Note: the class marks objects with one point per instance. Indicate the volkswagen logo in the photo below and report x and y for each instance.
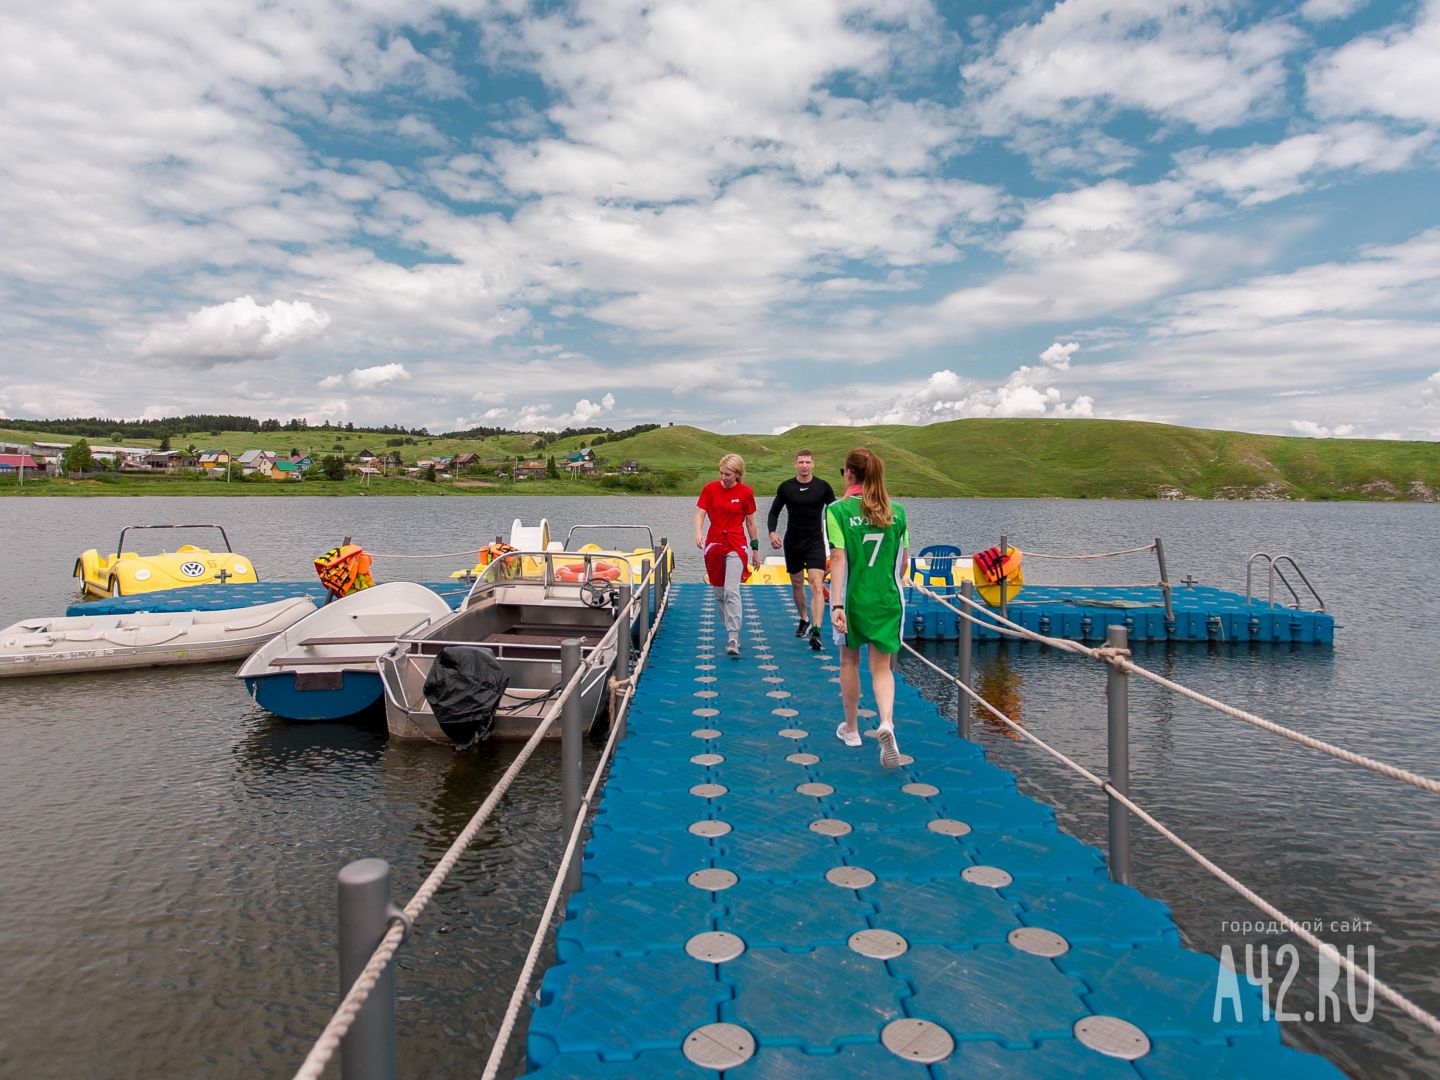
(193, 569)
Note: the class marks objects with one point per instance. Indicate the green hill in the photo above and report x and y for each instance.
(976, 458)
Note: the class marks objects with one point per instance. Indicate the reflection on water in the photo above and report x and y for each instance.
(174, 849)
(997, 680)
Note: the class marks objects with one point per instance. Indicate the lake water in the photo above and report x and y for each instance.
(168, 856)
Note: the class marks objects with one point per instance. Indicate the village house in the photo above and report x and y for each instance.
(256, 461)
(530, 470)
(465, 460)
(286, 470)
(629, 465)
(11, 464)
(210, 460)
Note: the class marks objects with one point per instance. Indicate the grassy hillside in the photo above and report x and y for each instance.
(986, 458)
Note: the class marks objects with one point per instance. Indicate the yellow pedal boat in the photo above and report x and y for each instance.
(124, 573)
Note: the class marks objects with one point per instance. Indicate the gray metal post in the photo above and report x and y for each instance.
(1164, 583)
(646, 592)
(965, 654)
(1117, 693)
(662, 570)
(622, 646)
(1004, 583)
(368, 1050)
(570, 736)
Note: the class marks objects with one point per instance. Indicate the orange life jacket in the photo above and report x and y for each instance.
(344, 570)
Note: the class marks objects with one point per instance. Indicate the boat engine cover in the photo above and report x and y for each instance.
(464, 686)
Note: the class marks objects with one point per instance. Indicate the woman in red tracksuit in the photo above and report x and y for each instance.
(730, 505)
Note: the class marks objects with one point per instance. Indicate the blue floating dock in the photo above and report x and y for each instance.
(1082, 613)
(243, 594)
(732, 809)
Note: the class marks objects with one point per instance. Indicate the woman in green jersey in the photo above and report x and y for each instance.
(870, 548)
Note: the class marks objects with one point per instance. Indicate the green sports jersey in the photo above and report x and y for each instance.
(874, 603)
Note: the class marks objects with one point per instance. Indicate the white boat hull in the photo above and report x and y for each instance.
(77, 643)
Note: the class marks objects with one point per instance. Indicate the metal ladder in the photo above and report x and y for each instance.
(1273, 571)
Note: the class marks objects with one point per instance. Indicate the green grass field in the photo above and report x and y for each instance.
(975, 458)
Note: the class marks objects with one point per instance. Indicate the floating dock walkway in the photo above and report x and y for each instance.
(243, 594)
(1080, 613)
(1083, 612)
(760, 900)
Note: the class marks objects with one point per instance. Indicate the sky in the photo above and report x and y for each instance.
(743, 215)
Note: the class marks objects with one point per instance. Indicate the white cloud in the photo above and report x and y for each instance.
(1027, 391)
(1263, 173)
(366, 378)
(1392, 73)
(1326, 10)
(537, 417)
(1310, 429)
(239, 329)
(1177, 60)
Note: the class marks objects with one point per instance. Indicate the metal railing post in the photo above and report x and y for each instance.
(1004, 579)
(662, 571)
(646, 593)
(1164, 582)
(570, 736)
(622, 648)
(964, 653)
(368, 1050)
(1117, 693)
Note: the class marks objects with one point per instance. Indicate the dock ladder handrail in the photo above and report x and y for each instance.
(1116, 654)
(1273, 571)
(655, 582)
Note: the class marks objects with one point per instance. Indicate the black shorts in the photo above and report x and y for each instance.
(804, 554)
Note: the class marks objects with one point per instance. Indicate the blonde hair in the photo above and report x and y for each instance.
(735, 463)
(869, 472)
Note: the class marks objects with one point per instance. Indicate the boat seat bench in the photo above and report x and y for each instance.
(357, 639)
(313, 661)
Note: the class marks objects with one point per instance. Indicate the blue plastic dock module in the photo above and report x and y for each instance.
(243, 594)
(761, 900)
(1083, 612)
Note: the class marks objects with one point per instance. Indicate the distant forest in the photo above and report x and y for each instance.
(102, 428)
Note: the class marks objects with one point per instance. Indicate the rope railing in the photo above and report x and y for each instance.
(344, 1016)
(1096, 555)
(1116, 656)
(626, 687)
(997, 622)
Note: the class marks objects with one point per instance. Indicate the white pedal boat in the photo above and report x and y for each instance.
(72, 643)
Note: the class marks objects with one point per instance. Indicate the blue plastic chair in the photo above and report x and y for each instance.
(940, 574)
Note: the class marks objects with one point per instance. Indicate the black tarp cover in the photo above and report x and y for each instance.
(464, 686)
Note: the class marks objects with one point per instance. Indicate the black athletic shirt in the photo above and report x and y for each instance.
(806, 503)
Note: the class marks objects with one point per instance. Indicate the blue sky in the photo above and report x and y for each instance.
(738, 214)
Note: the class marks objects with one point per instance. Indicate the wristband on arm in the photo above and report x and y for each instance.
(755, 544)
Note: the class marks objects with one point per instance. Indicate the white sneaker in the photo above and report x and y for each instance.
(845, 735)
(889, 749)
(733, 647)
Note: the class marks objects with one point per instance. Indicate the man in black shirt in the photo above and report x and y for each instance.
(806, 496)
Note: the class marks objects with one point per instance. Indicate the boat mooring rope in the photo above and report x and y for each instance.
(527, 971)
(1112, 655)
(1003, 625)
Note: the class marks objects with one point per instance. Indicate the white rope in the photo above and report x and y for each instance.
(1394, 997)
(442, 555)
(1004, 625)
(329, 1040)
(527, 971)
(344, 1016)
(1098, 555)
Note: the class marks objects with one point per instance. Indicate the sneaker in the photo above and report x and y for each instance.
(815, 642)
(732, 647)
(803, 628)
(848, 737)
(889, 749)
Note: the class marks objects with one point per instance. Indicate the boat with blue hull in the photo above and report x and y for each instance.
(323, 667)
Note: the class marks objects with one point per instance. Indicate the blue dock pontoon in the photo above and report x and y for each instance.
(760, 900)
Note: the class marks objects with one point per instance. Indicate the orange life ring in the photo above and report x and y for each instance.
(576, 572)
